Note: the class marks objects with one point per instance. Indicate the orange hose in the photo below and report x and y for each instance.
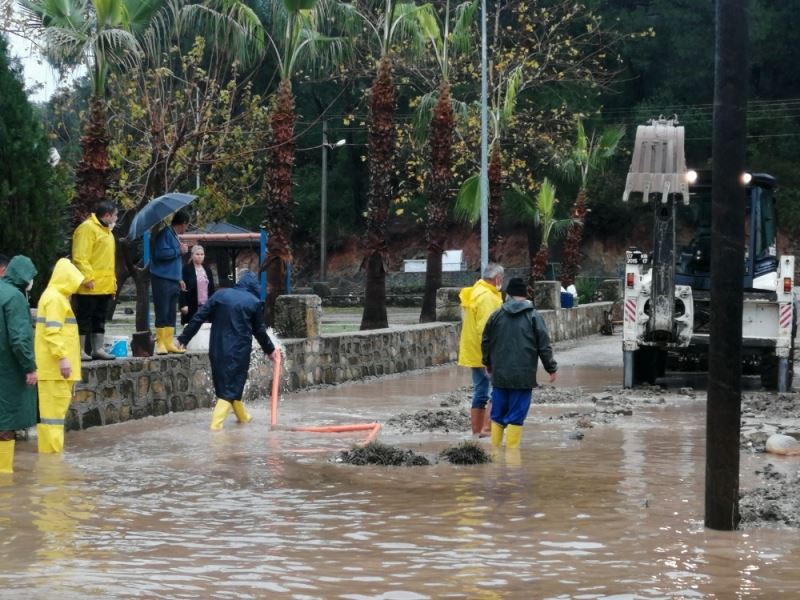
(276, 381)
(336, 428)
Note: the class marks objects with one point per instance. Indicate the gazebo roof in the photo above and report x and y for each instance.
(222, 235)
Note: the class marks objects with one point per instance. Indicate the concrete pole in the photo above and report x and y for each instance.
(727, 267)
(323, 219)
(484, 175)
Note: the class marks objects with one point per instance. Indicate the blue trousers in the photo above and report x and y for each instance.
(510, 406)
(480, 387)
(165, 300)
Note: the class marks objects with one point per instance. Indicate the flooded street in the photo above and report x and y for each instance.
(163, 508)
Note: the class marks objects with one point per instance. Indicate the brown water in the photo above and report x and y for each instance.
(161, 508)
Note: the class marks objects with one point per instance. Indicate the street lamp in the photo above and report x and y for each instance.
(323, 220)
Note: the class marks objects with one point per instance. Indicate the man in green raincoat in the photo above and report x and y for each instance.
(17, 364)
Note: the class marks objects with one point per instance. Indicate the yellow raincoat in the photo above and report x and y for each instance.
(478, 303)
(93, 252)
(56, 327)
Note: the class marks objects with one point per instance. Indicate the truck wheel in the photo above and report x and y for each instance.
(769, 371)
(645, 365)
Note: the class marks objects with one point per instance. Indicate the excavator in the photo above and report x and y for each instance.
(666, 303)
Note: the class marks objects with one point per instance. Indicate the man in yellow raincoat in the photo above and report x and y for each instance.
(94, 253)
(58, 354)
(478, 303)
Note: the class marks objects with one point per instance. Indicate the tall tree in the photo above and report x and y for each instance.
(98, 34)
(32, 195)
(298, 40)
(585, 159)
(389, 24)
(545, 57)
(445, 45)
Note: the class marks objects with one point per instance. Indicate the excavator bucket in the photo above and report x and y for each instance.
(659, 163)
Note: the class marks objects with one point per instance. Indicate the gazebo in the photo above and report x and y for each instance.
(225, 243)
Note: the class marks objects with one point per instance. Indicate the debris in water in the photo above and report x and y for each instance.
(431, 420)
(575, 435)
(376, 453)
(466, 453)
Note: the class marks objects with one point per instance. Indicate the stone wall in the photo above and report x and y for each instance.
(134, 388)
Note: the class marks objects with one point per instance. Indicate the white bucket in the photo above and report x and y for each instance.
(201, 340)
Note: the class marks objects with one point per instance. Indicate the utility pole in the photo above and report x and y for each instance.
(727, 266)
(323, 219)
(484, 175)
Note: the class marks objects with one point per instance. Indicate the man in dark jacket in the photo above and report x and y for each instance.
(514, 340)
(17, 363)
(236, 315)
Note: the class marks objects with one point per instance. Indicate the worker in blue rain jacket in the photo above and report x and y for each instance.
(236, 315)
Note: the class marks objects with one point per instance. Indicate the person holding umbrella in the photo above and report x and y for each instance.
(166, 276)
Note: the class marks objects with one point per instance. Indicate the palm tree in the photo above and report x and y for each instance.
(588, 156)
(503, 102)
(99, 34)
(300, 42)
(541, 213)
(441, 124)
(394, 23)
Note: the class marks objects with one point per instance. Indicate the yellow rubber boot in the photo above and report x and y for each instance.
(169, 341)
(513, 436)
(160, 347)
(221, 411)
(50, 438)
(7, 456)
(241, 412)
(497, 434)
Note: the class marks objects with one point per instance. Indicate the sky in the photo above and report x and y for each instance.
(41, 80)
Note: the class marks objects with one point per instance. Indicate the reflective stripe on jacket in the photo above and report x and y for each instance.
(93, 252)
(56, 328)
(478, 303)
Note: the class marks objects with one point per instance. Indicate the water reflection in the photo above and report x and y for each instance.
(162, 508)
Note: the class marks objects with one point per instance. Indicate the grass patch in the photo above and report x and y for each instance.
(466, 453)
(376, 453)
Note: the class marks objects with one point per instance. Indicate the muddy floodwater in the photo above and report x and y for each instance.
(163, 508)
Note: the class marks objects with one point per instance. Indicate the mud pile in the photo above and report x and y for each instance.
(766, 413)
(445, 420)
(376, 453)
(777, 503)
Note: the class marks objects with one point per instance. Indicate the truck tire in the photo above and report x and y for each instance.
(645, 365)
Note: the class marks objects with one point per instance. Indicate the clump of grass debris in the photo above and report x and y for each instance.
(376, 453)
(466, 453)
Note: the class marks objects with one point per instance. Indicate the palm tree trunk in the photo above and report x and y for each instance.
(381, 163)
(539, 264)
(495, 196)
(279, 220)
(441, 142)
(91, 177)
(572, 245)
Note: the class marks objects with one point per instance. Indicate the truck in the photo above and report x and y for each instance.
(666, 300)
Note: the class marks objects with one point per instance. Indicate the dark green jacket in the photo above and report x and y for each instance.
(514, 340)
(17, 400)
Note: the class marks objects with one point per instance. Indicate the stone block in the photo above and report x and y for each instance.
(124, 412)
(298, 316)
(143, 386)
(157, 386)
(91, 418)
(160, 408)
(547, 295)
(448, 305)
(83, 396)
(112, 414)
(72, 422)
(176, 404)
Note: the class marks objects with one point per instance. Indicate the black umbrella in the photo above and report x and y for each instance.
(156, 211)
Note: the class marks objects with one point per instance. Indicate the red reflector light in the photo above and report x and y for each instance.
(787, 285)
(629, 279)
